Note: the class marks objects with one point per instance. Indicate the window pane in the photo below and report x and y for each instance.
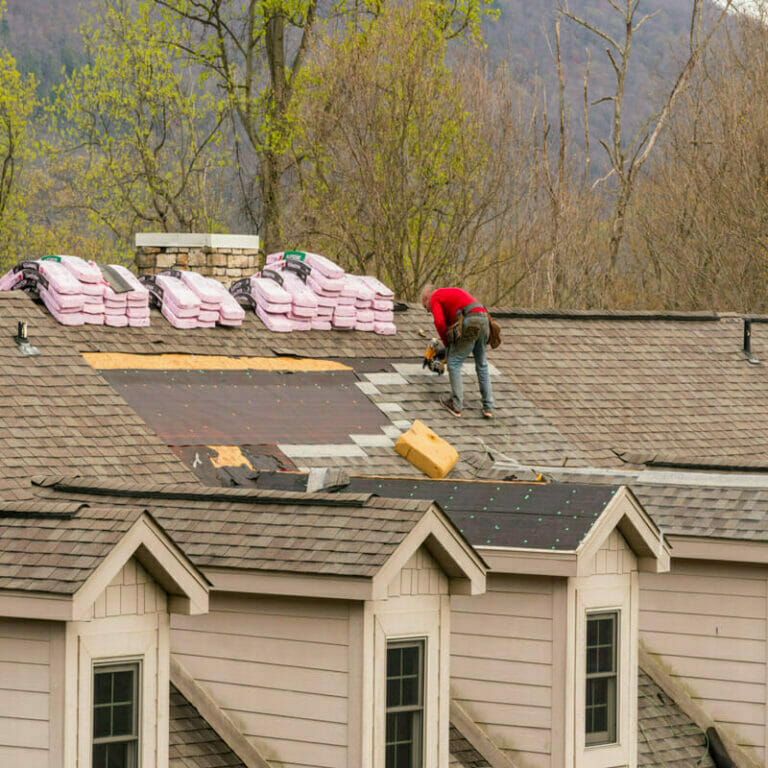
(591, 632)
(605, 659)
(118, 756)
(101, 722)
(393, 662)
(410, 691)
(123, 686)
(404, 731)
(391, 756)
(122, 720)
(606, 631)
(102, 688)
(99, 756)
(393, 692)
(404, 755)
(391, 727)
(591, 660)
(411, 660)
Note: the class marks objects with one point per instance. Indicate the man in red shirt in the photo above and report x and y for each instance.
(446, 306)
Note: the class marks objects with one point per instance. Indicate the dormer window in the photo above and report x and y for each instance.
(602, 674)
(405, 705)
(115, 716)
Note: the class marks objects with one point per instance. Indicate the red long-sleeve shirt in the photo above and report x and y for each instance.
(444, 304)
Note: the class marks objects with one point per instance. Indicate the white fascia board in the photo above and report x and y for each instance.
(195, 240)
(531, 562)
(31, 605)
(245, 582)
(723, 550)
(187, 588)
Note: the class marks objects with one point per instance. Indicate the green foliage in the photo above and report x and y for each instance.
(397, 164)
(136, 137)
(17, 104)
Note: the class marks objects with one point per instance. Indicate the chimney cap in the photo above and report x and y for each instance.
(195, 240)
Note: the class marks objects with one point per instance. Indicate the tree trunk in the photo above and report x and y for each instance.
(271, 233)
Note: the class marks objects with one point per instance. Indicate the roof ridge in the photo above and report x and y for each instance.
(172, 492)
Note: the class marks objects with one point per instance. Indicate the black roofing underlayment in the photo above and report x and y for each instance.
(213, 407)
(555, 516)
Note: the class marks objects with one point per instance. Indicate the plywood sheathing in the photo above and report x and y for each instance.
(103, 361)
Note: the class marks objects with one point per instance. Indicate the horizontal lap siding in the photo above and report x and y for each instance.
(24, 693)
(708, 623)
(279, 669)
(501, 664)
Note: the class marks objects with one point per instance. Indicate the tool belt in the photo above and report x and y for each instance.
(453, 332)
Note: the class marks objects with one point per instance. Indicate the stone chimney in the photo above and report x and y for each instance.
(224, 257)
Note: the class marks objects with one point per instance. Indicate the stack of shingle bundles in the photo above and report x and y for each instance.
(10, 279)
(136, 297)
(271, 302)
(209, 302)
(363, 302)
(178, 305)
(61, 292)
(304, 304)
(88, 274)
(212, 292)
(383, 305)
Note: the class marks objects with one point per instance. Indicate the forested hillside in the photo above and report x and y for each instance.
(424, 143)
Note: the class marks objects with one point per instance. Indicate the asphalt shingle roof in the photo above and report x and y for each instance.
(350, 535)
(667, 738)
(58, 415)
(192, 743)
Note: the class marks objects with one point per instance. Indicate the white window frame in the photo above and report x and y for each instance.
(596, 595)
(613, 707)
(111, 667)
(420, 645)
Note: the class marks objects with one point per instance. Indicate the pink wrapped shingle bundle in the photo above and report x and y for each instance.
(304, 300)
(132, 299)
(178, 305)
(84, 271)
(62, 294)
(318, 264)
(217, 305)
(270, 301)
(363, 294)
(344, 317)
(10, 279)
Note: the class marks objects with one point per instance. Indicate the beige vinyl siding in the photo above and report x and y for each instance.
(614, 557)
(501, 664)
(24, 693)
(421, 575)
(708, 624)
(133, 592)
(279, 668)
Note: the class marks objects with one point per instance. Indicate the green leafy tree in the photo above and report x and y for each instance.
(138, 140)
(17, 104)
(404, 175)
(256, 50)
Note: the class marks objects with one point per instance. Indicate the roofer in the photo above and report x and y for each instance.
(463, 326)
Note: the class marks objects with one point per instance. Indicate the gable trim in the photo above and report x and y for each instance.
(626, 514)
(460, 562)
(187, 588)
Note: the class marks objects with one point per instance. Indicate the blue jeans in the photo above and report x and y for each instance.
(474, 337)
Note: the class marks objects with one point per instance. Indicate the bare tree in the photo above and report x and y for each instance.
(626, 156)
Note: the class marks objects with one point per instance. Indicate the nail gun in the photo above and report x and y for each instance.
(434, 357)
